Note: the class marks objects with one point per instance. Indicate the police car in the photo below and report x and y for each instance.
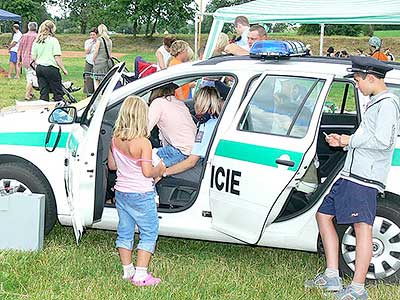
(267, 166)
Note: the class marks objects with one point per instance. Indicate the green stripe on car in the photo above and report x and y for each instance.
(396, 157)
(32, 139)
(256, 154)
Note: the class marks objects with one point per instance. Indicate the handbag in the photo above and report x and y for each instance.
(110, 62)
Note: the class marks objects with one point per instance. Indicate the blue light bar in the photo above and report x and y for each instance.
(276, 49)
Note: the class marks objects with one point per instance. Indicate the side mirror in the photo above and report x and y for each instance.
(63, 115)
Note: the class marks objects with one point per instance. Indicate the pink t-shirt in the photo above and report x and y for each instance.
(130, 178)
(175, 123)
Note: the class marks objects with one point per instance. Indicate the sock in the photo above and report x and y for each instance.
(141, 274)
(331, 273)
(358, 287)
(129, 271)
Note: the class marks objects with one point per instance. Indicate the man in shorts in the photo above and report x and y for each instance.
(13, 50)
(352, 199)
(25, 59)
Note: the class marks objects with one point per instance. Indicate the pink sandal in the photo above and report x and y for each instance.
(148, 281)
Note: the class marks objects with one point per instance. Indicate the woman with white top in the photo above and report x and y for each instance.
(163, 53)
(90, 46)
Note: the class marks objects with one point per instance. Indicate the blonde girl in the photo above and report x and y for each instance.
(131, 156)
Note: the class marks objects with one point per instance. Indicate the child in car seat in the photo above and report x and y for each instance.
(131, 156)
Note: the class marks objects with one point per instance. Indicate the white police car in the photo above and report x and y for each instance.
(261, 183)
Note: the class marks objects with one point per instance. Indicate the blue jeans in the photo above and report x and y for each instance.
(137, 209)
(170, 155)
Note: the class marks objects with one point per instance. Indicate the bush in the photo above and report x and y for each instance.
(345, 29)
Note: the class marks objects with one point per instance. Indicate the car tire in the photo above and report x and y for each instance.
(385, 263)
(29, 176)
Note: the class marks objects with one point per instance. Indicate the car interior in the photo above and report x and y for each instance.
(175, 192)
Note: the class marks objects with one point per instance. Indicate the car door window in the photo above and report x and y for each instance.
(341, 98)
(395, 89)
(282, 105)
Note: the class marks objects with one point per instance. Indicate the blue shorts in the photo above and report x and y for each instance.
(13, 57)
(350, 203)
(137, 209)
(170, 155)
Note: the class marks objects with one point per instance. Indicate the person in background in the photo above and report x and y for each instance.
(180, 53)
(25, 58)
(360, 52)
(222, 42)
(389, 54)
(101, 55)
(163, 53)
(256, 33)
(308, 51)
(353, 197)
(242, 27)
(375, 45)
(330, 52)
(131, 156)
(46, 52)
(90, 47)
(13, 50)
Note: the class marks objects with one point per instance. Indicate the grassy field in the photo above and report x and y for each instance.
(189, 270)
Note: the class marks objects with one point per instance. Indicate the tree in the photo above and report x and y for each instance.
(334, 29)
(29, 10)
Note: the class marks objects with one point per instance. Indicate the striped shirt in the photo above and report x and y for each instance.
(25, 48)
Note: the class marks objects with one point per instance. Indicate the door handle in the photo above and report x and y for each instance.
(284, 162)
(90, 171)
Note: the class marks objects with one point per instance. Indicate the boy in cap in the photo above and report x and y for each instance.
(352, 199)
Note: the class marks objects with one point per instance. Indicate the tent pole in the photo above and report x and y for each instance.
(196, 27)
(321, 40)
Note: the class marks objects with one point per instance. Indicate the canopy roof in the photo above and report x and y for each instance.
(8, 16)
(315, 11)
(306, 12)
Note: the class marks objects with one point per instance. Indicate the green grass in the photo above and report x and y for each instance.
(189, 269)
(13, 89)
(387, 33)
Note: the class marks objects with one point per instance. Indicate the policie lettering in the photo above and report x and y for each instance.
(229, 180)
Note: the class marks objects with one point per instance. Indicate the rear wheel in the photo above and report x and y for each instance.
(385, 262)
(26, 178)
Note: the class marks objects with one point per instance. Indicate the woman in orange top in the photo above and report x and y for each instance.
(180, 52)
(375, 45)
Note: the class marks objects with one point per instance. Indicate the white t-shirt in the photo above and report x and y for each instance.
(243, 41)
(90, 44)
(203, 137)
(16, 38)
(166, 55)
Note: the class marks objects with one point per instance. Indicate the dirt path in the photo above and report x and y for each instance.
(70, 54)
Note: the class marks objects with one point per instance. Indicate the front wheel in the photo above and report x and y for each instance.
(24, 177)
(385, 262)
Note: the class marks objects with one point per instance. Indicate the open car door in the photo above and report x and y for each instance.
(265, 152)
(81, 154)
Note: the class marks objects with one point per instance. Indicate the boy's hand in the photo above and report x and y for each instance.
(344, 140)
(333, 140)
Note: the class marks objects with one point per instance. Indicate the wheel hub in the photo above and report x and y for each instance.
(377, 247)
(11, 186)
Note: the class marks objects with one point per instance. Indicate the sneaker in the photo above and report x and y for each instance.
(323, 282)
(350, 294)
(148, 281)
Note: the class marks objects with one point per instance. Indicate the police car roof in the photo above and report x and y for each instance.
(319, 59)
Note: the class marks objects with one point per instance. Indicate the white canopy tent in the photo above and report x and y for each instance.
(306, 12)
